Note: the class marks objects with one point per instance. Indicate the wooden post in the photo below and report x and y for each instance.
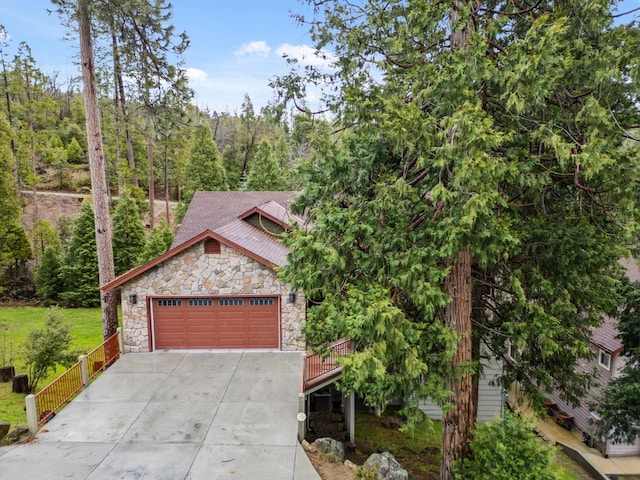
(32, 413)
(84, 371)
(302, 416)
(120, 340)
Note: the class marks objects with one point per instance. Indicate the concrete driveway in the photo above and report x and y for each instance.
(175, 415)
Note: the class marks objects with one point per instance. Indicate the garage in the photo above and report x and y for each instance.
(215, 322)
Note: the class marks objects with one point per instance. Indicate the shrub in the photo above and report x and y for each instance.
(507, 449)
(47, 347)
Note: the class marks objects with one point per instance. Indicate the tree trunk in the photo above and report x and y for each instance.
(458, 423)
(20, 384)
(166, 186)
(117, 72)
(152, 191)
(7, 97)
(7, 373)
(97, 166)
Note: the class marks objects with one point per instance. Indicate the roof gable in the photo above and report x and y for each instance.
(221, 216)
(214, 210)
(141, 269)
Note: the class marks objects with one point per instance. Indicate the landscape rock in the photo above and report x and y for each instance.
(4, 428)
(350, 464)
(386, 466)
(308, 447)
(18, 434)
(331, 448)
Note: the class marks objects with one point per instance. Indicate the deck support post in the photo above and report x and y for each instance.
(302, 416)
(351, 419)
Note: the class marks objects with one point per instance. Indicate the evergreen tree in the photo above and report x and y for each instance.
(74, 152)
(9, 204)
(47, 276)
(79, 270)
(15, 251)
(206, 171)
(158, 243)
(128, 234)
(264, 171)
(482, 193)
(44, 235)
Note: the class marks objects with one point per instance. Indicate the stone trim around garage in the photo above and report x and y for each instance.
(194, 273)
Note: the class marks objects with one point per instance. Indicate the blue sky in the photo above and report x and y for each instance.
(236, 46)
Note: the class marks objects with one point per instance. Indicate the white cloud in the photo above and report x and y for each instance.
(306, 55)
(257, 47)
(197, 76)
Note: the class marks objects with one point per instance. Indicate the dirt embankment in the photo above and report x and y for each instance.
(49, 206)
(53, 205)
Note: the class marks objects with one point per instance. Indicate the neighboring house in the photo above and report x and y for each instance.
(491, 396)
(608, 362)
(216, 288)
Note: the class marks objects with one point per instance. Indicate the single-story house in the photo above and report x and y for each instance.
(217, 287)
(608, 362)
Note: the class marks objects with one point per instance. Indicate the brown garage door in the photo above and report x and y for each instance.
(231, 322)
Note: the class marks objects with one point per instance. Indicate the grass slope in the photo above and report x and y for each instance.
(15, 324)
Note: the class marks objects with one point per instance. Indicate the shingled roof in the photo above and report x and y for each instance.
(224, 212)
(222, 216)
(214, 210)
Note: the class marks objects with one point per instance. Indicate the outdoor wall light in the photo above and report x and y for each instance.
(133, 299)
(291, 298)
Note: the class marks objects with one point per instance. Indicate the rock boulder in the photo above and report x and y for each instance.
(386, 466)
(331, 448)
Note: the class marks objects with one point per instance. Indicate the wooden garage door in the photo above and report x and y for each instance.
(230, 322)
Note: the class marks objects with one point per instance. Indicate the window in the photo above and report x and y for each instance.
(169, 302)
(200, 302)
(261, 301)
(211, 246)
(513, 353)
(231, 302)
(604, 360)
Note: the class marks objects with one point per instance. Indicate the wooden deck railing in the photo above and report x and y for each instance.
(103, 356)
(316, 366)
(57, 393)
(43, 405)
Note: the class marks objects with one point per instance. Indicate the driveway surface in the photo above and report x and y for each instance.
(175, 415)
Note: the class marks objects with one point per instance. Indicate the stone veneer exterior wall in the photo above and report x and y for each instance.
(194, 273)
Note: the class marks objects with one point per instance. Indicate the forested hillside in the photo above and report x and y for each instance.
(157, 147)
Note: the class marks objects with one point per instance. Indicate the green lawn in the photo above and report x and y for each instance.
(15, 323)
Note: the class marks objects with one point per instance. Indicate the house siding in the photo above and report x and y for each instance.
(490, 397)
(194, 273)
(582, 416)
